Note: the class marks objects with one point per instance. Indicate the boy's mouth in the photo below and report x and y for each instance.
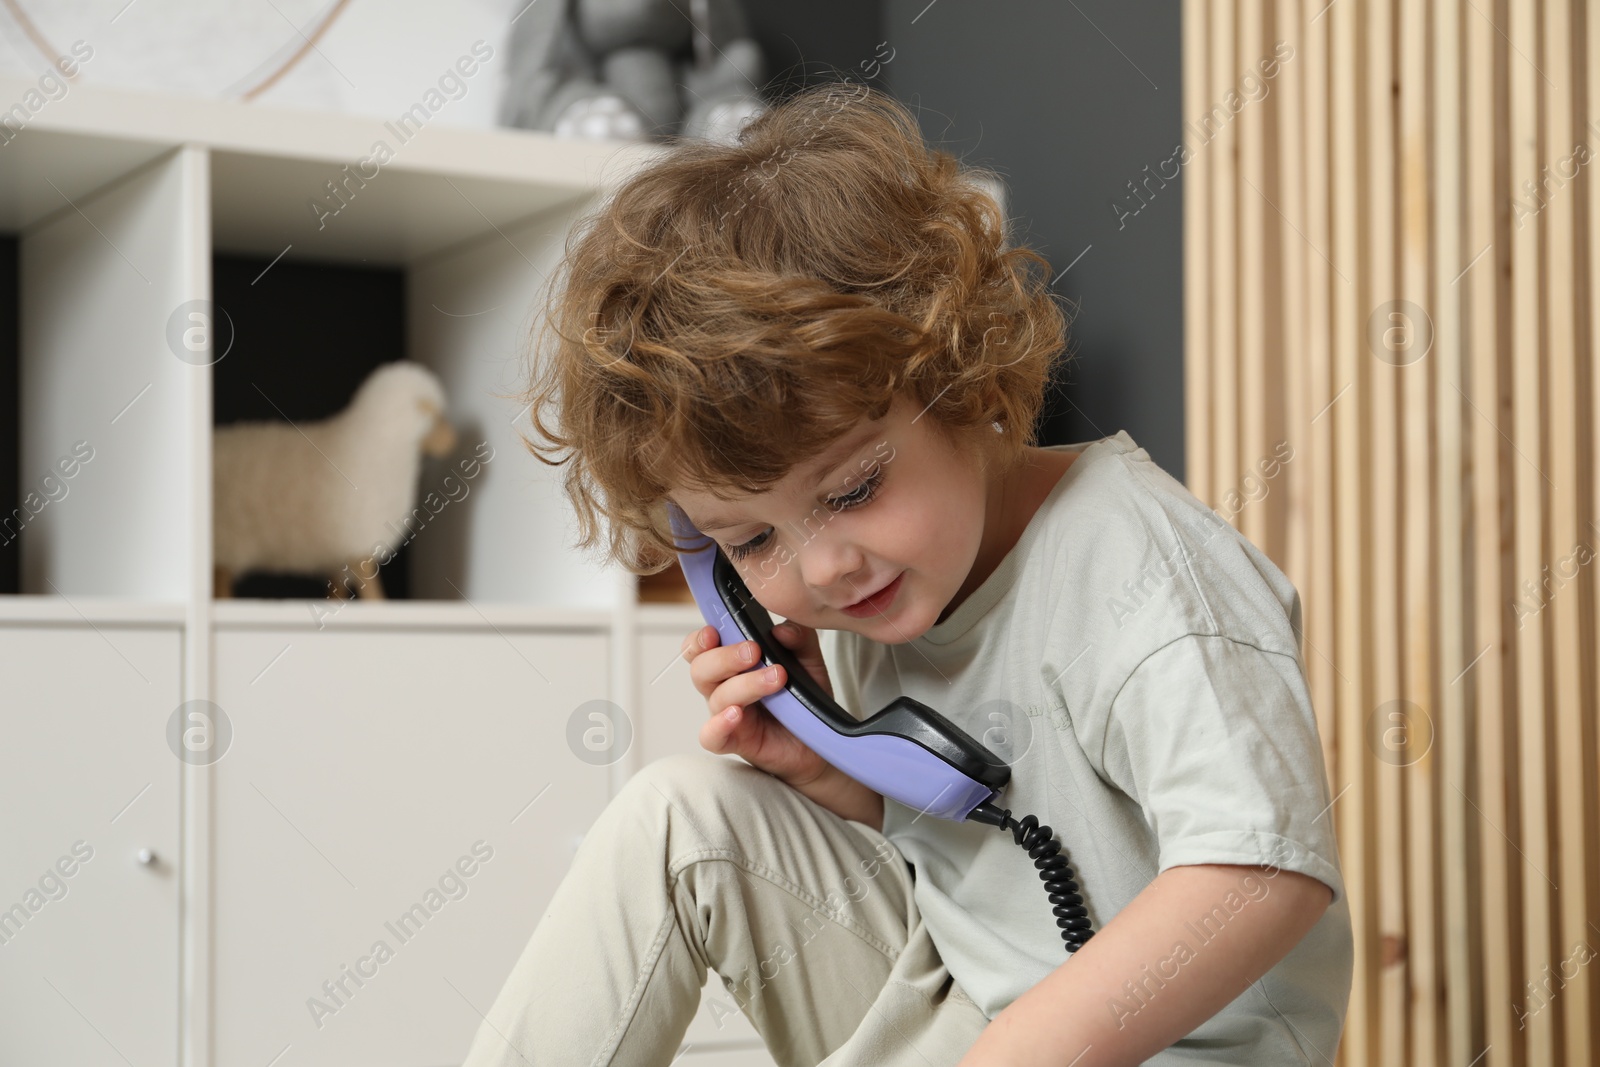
(877, 602)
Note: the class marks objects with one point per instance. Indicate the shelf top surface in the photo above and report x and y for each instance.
(329, 614)
(427, 188)
(301, 614)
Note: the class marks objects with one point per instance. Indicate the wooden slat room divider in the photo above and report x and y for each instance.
(1392, 218)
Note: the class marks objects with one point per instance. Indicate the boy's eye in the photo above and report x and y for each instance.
(741, 551)
(861, 495)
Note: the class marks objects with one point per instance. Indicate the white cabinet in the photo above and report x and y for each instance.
(365, 750)
(88, 933)
(369, 771)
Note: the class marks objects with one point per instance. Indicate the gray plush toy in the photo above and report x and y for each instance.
(613, 68)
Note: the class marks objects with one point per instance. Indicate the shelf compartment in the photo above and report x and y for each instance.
(120, 200)
(490, 523)
(110, 413)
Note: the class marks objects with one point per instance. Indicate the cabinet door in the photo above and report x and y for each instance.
(395, 811)
(671, 710)
(88, 933)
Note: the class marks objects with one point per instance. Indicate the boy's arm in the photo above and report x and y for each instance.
(1084, 1014)
(844, 796)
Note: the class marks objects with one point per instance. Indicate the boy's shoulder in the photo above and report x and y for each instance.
(1128, 560)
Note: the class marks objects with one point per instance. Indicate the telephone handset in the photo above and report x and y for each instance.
(907, 751)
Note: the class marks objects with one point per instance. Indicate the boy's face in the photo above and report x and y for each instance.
(890, 502)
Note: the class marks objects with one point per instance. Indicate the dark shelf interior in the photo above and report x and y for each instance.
(305, 336)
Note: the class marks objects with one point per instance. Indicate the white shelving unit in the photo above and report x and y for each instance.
(368, 745)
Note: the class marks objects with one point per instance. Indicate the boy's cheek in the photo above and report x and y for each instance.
(774, 563)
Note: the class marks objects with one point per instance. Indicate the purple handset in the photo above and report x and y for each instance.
(907, 751)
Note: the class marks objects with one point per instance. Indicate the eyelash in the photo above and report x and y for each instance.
(863, 495)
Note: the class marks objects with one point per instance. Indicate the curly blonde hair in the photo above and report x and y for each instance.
(730, 310)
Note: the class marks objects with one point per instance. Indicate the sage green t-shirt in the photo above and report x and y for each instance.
(1136, 661)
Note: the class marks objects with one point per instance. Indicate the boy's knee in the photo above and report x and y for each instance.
(693, 768)
(689, 779)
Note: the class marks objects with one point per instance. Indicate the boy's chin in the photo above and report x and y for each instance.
(877, 629)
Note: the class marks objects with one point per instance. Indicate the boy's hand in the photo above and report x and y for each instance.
(724, 676)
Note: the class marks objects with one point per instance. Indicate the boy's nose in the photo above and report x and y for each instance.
(829, 570)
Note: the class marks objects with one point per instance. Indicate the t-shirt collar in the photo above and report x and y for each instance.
(1004, 576)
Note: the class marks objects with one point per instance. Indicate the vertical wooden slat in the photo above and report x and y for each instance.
(1273, 423)
(1292, 343)
(1528, 358)
(1410, 375)
(1488, 678)
(1561, 601)
(1461, 1041)
(1348, 59)
(1313, 447)
(1224, 270)
(1589, 294)
(1382, 531)
(1253, 279)
(1198, 238)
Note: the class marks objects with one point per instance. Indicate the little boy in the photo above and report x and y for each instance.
(834, 367)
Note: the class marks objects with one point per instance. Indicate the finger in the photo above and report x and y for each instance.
(762, 683)
(717, 665)
(698, 642)
(792, 635)
(721, 732)
(745, 689)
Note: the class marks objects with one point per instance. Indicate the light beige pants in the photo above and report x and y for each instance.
(706, 862)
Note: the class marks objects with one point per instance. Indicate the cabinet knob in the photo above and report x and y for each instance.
(146, 857)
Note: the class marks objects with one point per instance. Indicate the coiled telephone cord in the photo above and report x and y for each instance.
(1059, 881)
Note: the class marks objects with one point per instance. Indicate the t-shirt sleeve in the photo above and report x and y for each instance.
(1216, 741)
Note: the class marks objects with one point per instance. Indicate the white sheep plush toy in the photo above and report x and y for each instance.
(327, 498)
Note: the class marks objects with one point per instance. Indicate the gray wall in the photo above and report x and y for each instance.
(1069, 117)
(819, 40)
